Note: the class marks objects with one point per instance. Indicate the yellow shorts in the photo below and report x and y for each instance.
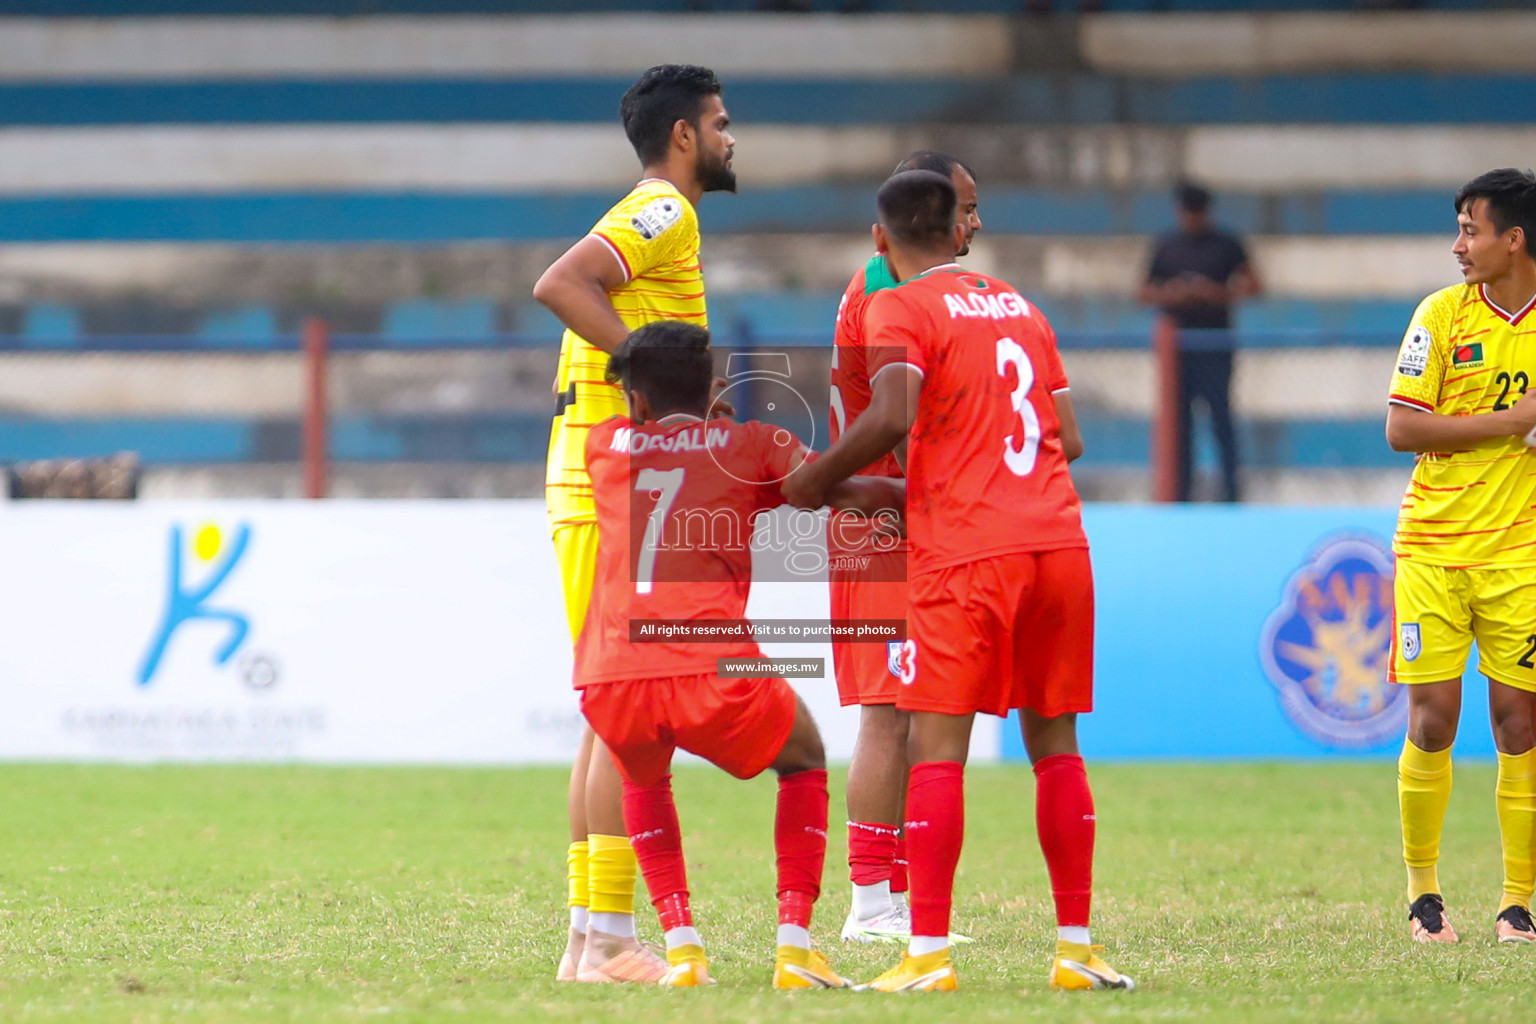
(1440, 611)
(576, 551)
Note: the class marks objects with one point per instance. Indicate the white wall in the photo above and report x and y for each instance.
(263, 47)
(558, 158)
(377, 632)
(1205, 43)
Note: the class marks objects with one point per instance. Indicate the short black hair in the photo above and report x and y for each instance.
(933, 160)
(663, 96)
(1511, 196)
(918, 208)
(1192, 198)
(667, 361)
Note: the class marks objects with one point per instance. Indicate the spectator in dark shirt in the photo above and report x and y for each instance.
(1196, 274)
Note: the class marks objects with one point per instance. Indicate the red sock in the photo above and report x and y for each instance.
(650, 817)
(800, 838)
(871, 852)
(1065, 821)
(935, 830)
(899, 866)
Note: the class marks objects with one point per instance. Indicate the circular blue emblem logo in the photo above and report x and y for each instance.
(1325, 648)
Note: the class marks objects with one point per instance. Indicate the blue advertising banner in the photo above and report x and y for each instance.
(1248, 632)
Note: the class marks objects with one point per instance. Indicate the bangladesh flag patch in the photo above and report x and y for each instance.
(1467, 356)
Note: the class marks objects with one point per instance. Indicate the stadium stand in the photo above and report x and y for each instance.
(358, 8)
(194, 180)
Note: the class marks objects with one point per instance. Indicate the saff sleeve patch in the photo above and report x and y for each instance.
(1413, 359)
(657, 216)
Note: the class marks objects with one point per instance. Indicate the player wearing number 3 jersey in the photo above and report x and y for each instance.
(1000, 609)
(867, 579)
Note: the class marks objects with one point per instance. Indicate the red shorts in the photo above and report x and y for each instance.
(867, 673)
(738, 724)
(1014, 631)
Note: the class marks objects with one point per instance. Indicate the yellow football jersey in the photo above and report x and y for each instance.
(654, 234)
(1471, 508)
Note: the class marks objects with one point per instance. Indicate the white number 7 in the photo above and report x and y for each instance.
(1020, 460)
(667, 482)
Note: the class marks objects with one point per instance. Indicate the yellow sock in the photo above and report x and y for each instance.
(1423, 790)
(1515, 798)
(576, 875)
(611, 871)
(686, 953)
(1075, 951)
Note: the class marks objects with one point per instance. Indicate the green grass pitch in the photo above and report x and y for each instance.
(213, 894)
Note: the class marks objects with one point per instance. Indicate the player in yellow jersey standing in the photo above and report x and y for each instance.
(1466, 539)
(639, 264)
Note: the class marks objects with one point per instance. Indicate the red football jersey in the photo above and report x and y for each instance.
(676, 500)
(984, 460)
(849, 533)
(850, 375)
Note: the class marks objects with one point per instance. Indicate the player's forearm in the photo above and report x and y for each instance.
(811, 485)
(869, 495)
(865, 440)
(1416, 430)
(582, 306)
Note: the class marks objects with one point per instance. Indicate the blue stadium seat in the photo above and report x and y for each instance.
(1121, 442)
(416, 218)
(177, 440)
(437, 319)
(1115, 441)
(49, 325)
(1366, 98)
(807, 318)
(532, 319)
(246, 327)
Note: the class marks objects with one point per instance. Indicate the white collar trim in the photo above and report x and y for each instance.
(1511, 317)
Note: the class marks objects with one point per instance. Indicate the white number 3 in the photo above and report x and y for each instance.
(1020, 460)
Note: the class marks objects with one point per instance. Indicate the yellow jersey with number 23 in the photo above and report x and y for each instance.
(1474, 507)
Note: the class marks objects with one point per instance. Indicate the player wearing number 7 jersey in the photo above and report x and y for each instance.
(1001, 592)
(676, 497)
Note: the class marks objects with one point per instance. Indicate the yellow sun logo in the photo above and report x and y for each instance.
(208, 542)
(1325, 649)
